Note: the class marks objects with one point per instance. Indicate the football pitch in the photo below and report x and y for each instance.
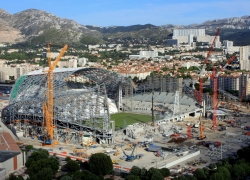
(130, 119)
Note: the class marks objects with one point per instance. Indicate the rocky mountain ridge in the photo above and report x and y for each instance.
(43, 26)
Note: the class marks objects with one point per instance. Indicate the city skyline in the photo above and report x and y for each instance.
(126, 13)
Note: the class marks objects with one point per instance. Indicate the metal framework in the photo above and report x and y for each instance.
(176, 103)
(80, 103)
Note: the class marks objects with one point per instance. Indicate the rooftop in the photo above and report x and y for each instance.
(8, 143)
(5, 155)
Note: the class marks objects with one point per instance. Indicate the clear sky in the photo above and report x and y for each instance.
(131, 12)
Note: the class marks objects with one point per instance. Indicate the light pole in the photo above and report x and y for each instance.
(153, 118)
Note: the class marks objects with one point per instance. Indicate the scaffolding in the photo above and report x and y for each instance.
(81, 103)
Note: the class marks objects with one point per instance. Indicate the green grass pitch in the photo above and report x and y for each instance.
(130, 119)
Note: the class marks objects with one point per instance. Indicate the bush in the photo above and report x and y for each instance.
(72, 165)
(100, 163)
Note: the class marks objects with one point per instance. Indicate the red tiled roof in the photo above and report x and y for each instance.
(10, 145)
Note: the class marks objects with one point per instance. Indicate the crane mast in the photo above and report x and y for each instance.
(202, 73)
(48, 107)
(215, 89)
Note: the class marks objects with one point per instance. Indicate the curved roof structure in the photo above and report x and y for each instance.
(80, 99)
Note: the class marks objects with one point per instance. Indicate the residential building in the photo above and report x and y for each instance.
(226, 82)
(186, 32)
(190, 39)
(72, 63)
(227, 43)
(172, 42)
(11, 157)
(165, 84)
(145, 54)
(14, 72)
(245, 58)
(217, 44)
(244, 86)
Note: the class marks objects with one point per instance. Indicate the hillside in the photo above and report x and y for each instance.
(37, 26)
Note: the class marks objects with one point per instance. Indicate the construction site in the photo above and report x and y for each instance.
(67, 111)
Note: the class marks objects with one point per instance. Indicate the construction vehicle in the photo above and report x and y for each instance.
(130, 157)
(80, 152)
(116, 161)
(117, 152)
(202, 136)
(48, 106)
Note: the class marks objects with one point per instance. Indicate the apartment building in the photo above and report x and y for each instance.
(244, 58)
(227, 43)
(244, 86)
(14, 72)
(165, 84)
(187, 32)
(72, 63)
(226, 82)
(144, 54)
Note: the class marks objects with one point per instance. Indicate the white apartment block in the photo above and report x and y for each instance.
(208, 39)
(190, 39)
(7, 72)
(72, 63)
(232, 49)
(226, 82)
(244, 86)
(148, 54)
(217, 44)
(53, 55)
(227, 43)
(144, 54)
(244, 58)
(181, 39)
(187, 32)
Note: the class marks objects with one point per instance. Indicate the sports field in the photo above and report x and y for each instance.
(130, 119)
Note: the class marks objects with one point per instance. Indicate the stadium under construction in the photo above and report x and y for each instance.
(84, 98)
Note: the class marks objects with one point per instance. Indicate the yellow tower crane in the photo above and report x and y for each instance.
(202, 136)
(48, 107)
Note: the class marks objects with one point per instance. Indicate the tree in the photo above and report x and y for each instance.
(39, 161)
(87, 176)
(165, 172)
(154, 174)
(100, 163)
(245, 166)
(28, 147)
(228, 166)
(237, 171)
(244, 153)
(45, 174)
(180, 178)
(157, 176)
(199, 174)
(66, 178)
(212, 166)
(13, 177)
(225, 173)
(67, 159)
(132, 177)
(217, 176)
(191, 178)
(135, 170)
(72, 165)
